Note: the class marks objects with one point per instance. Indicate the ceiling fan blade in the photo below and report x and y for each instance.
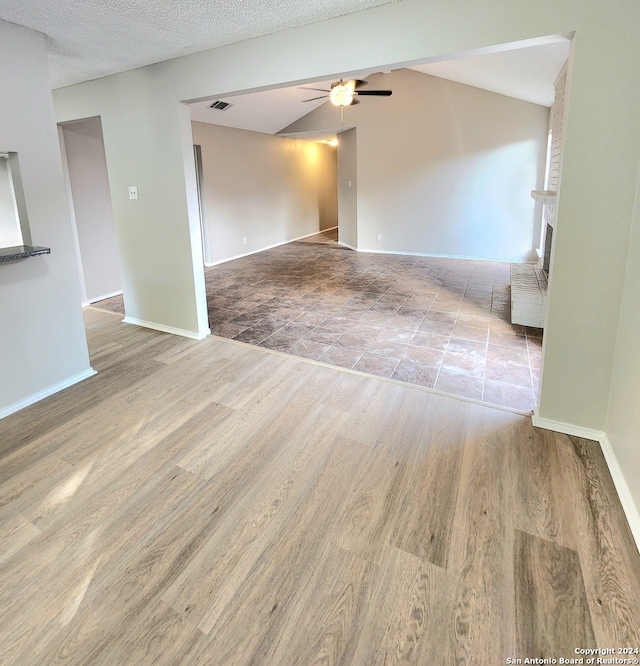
(319, 89)
(313, 99)
(375, 93)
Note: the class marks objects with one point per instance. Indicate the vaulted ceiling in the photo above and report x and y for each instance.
(523, 71)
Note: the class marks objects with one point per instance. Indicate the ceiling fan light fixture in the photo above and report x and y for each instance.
(341, 94)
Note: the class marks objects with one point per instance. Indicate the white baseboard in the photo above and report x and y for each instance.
(36, 397)
(101, 298)
(208, 264)
(444, 256)
(361, 249)
(629, 507)
(565, 428)
(167, 329)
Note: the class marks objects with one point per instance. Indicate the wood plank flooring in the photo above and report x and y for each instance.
(214, 503)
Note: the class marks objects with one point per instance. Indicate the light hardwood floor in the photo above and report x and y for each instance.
(214, 503)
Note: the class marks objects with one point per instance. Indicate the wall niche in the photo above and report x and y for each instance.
(15, 235)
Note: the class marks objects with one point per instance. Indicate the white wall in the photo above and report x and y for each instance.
(444, 168)
(556, 117)
(89, 182)
(148, 142)
(42, 338)
(264, 188)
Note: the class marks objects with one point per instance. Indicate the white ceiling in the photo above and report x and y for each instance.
(523, 72)
(87, 39)
(267, 111)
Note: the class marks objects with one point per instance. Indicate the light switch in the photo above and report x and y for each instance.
(133, 192)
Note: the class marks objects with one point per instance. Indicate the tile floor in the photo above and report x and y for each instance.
(439, 323)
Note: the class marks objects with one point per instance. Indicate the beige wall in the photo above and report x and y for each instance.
(623, 422)
(148, 142)
(87, 169)
(327, 179)
(444, 168)
(264, 188)
(42, 339)
(348, 188)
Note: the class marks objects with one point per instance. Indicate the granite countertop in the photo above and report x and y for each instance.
(22, 252)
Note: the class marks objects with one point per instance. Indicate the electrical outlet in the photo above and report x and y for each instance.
(244, 241)
(379, 237)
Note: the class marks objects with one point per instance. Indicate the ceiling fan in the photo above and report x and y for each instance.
(345, 93)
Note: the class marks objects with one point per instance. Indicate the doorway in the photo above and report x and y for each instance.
(85, 167)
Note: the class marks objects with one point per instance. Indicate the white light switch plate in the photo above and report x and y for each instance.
(133, 192)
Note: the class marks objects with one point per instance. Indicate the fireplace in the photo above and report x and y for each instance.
(546, 250)
(529, 281)
(548, 200)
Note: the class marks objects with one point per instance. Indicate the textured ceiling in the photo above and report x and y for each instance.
(88, 39)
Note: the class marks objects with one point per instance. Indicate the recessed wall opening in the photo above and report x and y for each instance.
(14, 223)
(82, 146)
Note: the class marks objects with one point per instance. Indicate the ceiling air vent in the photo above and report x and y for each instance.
(221, 106)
